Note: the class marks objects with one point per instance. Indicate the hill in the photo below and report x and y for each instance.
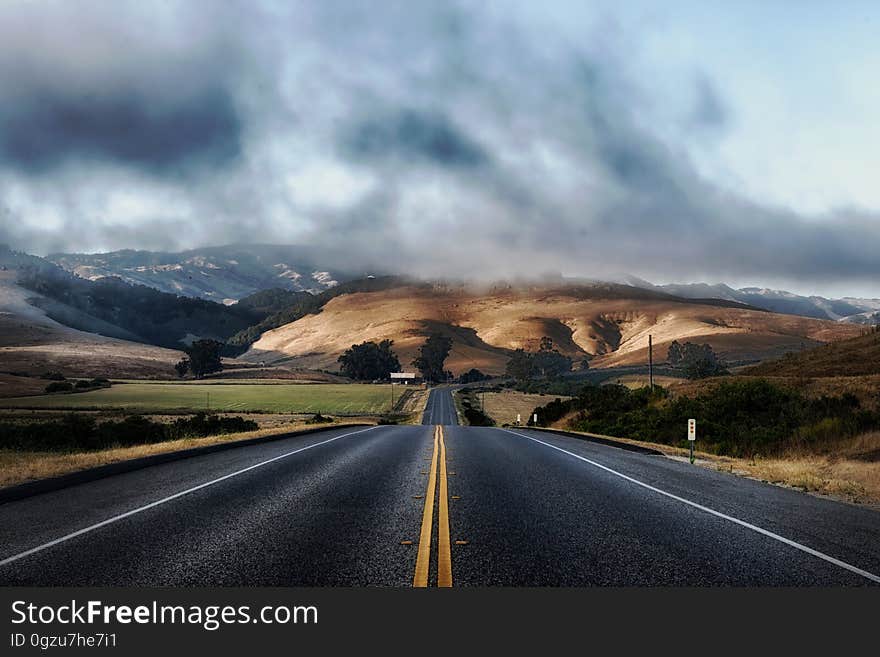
(114, 308)
(847, 309)
(32, 343)
(605, 323)
(223, 273)
(857, 356)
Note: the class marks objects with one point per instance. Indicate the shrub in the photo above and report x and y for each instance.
(81, 432)
(736, 418)
(59, 386)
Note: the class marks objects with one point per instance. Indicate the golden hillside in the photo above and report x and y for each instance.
(859, 356)
(609, 324)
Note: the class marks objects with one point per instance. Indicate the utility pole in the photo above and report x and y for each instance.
(651, 361)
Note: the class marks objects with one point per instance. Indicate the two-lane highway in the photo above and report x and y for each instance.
(434, 505)
(440, 408)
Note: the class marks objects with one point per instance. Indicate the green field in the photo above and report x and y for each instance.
(332, 399)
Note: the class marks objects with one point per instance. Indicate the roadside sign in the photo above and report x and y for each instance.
(535, 419)
(692, 436)
(519, 418)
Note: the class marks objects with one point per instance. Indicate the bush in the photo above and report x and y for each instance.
(317, 418)
(59, 386)
(473, 375)
(736, 418)
(82, 383)
(82, 433)
(472, 412)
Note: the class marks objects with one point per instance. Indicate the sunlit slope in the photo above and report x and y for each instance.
(603, 324)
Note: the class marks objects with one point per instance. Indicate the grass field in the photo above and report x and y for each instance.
(332, 399)
(503, 407)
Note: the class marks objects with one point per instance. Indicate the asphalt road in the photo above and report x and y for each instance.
(516, 508)
(440, 408)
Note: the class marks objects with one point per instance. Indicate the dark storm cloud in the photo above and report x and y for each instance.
(500, 147)
(408, 135)
(44, 129)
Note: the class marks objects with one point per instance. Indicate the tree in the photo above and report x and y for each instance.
(432, 356)
(369, 361)
(204, 357)
(549, 362)
(696, 361)
(182, 367)
(521, 366)
(473, 375)
(673, 355)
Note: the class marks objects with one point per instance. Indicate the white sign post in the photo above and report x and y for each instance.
(692, 436)
(518, 419)
(535, 419)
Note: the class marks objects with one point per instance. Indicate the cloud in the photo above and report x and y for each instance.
(409, 135)
(462, 140)
(46, 129)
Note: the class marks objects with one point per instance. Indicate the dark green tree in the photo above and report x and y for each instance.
(204, 357)
(369, 361)
(696, 361)
(473, 375)
(549, 362)
(182, 367)
(521, 366)
(432, 356)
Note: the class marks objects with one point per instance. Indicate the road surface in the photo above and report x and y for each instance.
(428, 505)
(440, 409)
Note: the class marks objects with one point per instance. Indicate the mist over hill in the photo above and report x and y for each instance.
(220, 273)
(231, 272)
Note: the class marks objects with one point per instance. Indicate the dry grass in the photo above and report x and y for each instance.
(31, 342)
(858, 356)
(865, 388)
(414, 406)
(848, 469)
(641, 380)
(19, 386)
(19, 467)
(485, 325)
(503, 406)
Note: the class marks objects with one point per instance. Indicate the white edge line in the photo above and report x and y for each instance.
(741, 523)
(108, 521)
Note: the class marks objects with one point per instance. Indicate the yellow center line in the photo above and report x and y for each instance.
(444, 556)
(420, 579)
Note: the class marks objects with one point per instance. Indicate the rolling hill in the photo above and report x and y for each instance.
(848, 309)
(605, 323)
(32, 343)
(857, 356)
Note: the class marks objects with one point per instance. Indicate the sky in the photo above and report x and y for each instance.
(675, 141)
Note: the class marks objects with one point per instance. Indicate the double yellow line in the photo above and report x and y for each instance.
(444, 555)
